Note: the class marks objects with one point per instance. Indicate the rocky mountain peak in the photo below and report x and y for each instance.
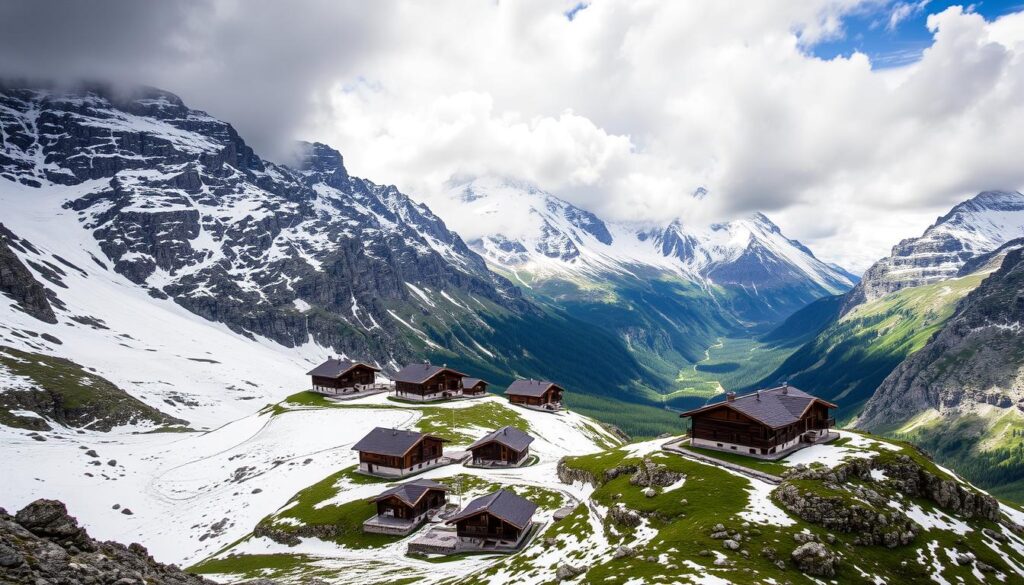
(326, 162)
(970, 229)
(989, 201)
(972, 365)
(180, 205)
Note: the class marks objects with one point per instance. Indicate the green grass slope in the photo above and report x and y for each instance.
(63, 392)
(847, 361)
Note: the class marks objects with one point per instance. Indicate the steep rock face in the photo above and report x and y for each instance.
(17, 282)
(974, 227)
(977, 358)
(181, 205)
(43, 544)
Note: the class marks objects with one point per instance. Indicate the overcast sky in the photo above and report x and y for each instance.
(851, 124)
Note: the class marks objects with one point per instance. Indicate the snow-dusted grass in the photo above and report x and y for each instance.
(341, 498)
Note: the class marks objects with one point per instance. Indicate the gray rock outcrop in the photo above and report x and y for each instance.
(650, 474)
(18, 282)
(43, 544)
(815, 559)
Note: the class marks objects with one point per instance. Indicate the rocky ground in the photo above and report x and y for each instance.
(44, 545)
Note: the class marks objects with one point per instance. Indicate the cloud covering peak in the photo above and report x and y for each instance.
(625, 109)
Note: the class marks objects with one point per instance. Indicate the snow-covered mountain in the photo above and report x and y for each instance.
(972, 228)
(182, 206)
(553, 238)
(169, 206)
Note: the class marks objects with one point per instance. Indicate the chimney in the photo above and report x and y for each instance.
(758, 393)
(730, 396)
(785, 387)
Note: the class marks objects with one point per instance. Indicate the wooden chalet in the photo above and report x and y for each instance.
(766, 423)
(473, 387)
(428, 382)
(338, 376)
(397, 453)
(401, 509)
(537, 394)
(506, 447)
(498, 520)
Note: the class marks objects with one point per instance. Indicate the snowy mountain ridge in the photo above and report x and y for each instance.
(182, 207)
(555, 237)
(970, 229)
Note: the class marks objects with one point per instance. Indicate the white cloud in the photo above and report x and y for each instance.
(624, 110)
(904, 10)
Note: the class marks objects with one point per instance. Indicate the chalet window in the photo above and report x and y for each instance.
(733, 447)
(754, 451)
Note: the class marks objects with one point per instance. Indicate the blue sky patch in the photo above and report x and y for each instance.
(895, 33)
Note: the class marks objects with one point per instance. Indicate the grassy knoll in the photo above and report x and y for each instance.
(306, 509)
(684, 517)
(254, 566)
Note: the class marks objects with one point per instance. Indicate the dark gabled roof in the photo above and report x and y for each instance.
(533, 388)
(420, 373)
(334, 368)
(502, 504)
(412, 491)
(774, 407)
(470, 382)
(511, 437)
(396, 442)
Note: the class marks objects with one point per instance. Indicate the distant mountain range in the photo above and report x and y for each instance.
(748, 259)
(670, 291)
(307, 256)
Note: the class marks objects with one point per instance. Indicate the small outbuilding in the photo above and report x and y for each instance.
(505, 447)
(396, 453)
(536, 394)
(428, 382)
(498, 520)
(474, 387)
(401, 509)
(340, 376)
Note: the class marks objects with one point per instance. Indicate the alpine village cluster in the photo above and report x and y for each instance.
(766, 424)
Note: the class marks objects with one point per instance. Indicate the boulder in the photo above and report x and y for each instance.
(731, 544)
(622, 552)
(50, 519)
(566, 571)
(815, 559)
(43, 544)
(625, 516)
